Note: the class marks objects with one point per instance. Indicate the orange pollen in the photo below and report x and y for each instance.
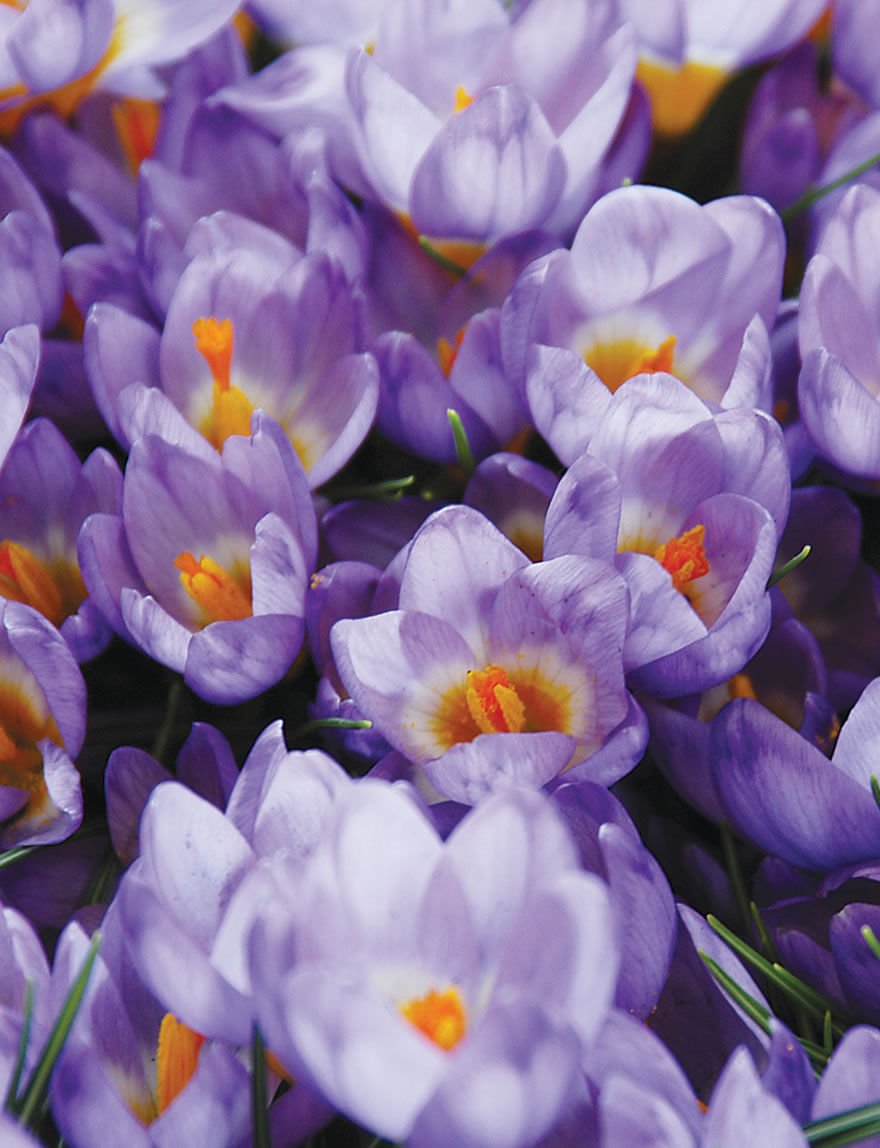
(440, 1016)
(462, 99)
(217, 592)
(446, 351)
(684, 557)
(658, 360)
(493, 702)
(740, 686)
(177, 1058)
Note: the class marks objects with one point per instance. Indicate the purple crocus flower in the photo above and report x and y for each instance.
(45, 494)
(780, 791)
(653, 282)
(205, 567)
(189, 901)
(837, 390)
(54, 52)
(42, 726)
(688, 506)
(494, 670)
(246, 327)
(130, 1074)
(22, 963)
(426, 973)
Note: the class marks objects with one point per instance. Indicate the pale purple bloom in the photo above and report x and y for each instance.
(493, 670)
(499, 925)
(206, 566)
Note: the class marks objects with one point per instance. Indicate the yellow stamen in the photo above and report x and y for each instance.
(462, 99)
(493, 703)
(440, 1016)
(684, 557)
(622, 359)
(231, 409)
(679, 96)
(740, 686)
(24, 578)
(177, 1058)
(221, 596)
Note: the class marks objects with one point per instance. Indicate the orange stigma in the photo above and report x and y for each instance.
(177, 1058)
(137, 124)
(231, 409)
(679, 96)
(221, 596)
(440, 1016)
(493, 702)
(622, 359)
(684, 557)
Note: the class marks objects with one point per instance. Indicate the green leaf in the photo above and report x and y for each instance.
(23, 1039)
(812, 194)
(329, 723)
(845, 1128)
(13, 855)
(871, 940)
(752, 1008)
(462, 446)
(28, 1108)
(795, 988)
(259, 1105)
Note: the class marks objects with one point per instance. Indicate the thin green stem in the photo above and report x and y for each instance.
(790, 565)
(259, 1098)
(462, 446)
(734, 872)
(23, 1041)
(162, 740)
(812, 194)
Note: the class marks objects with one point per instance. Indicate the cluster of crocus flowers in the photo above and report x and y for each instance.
(439, 581)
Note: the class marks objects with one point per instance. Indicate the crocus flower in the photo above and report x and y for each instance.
(205, 567)
(691, 47)
(42, 726)
(653, 282)
(495, 670)
(132, 1075)
(837, 390)
(425, 973)
(688, 506)
(189, 900)
(45, 494)
(56, 53)
(247, 327)
(23, 963)
(781, 792)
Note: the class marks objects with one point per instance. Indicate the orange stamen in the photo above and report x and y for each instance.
(493, 702)
(177, 1058)
(446, 351)
(24, 578)
(221, 597)
(679, 96)
(684, 557)
(440, 1016)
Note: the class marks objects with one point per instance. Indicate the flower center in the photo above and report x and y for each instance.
(679, 96)
(177, 1058)
(684, 557)
(137, 124)
(440, 1016)
(462, 99)
(21, 728)
(493, 702)
(231, 409)
(621, 359)
(496, 700)
(222, 597)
